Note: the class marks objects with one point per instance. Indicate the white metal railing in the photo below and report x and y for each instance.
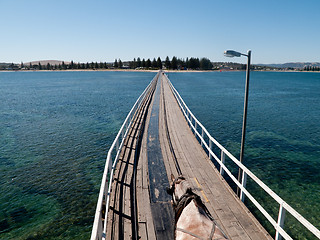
(99, 229)
(283, 206)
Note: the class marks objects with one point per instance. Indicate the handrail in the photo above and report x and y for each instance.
(99, 229)
(283, 206)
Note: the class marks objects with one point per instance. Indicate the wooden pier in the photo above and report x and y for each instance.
(140, 208)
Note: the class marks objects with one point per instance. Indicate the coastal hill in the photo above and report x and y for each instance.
(45, 62)
(298, 65)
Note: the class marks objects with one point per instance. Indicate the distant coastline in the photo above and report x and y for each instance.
(152, 70)
(173, 65)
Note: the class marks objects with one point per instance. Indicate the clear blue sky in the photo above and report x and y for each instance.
(101, 30)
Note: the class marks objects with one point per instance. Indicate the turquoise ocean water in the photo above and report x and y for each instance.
(56, 128)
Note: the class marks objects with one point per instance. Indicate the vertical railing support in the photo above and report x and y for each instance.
(280, 223)
(223, 158)
(122, 133)
(195, 128)
(210, 147)
(202, 136)
(110, 162)
(244, 184)
(117, 145)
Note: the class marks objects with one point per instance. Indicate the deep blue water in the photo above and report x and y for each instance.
(56, 128)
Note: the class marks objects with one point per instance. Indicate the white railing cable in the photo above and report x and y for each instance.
(284, 207)
(99, 231)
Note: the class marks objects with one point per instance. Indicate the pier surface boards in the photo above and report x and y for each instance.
(154, 210)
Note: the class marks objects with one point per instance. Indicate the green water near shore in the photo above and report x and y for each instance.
(55, 131)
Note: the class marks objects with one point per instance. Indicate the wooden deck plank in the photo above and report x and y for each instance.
(231, 212)
(143, 200)
(119, 222)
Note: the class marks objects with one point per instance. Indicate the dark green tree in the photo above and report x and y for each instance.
(39, 66)
(120, 63)
(174, 63)
(194, 63)
(115, 64)
(138, 62)
(159, 63)
(154, 63)
(148, 63)
(134, 63)
(143, 63)
(205, 64)
(167, 63)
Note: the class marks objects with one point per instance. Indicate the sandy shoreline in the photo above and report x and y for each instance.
(105, 70)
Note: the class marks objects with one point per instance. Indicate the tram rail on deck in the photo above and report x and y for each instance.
(101, 214)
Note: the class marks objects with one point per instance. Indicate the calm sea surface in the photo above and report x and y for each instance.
(56, 128)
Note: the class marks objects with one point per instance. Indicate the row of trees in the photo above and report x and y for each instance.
(311, 68)
(174, 63)
(65, 66)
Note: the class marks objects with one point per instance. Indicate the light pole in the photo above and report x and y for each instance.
(242, 178)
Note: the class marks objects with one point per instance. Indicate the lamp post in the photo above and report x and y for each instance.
(242, 178)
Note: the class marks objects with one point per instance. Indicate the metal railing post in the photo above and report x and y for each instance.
(280, 223)
(100, 230)
(195, 128)
(122, 133)
(202, 136)
(223, 158)
(110, 162)
(244, 184)
(117, 145)
(210, 147)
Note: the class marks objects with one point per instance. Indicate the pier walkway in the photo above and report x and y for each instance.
(160, 137)
(165, 125)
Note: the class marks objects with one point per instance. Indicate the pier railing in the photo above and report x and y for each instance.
(207, 141)
(100, 219)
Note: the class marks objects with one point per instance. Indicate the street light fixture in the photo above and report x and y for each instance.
(242, 178)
